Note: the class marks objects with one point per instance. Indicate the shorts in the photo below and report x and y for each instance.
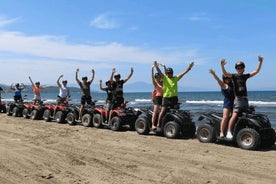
(18, 98)
(86, 99)
(240, 105)
(170, 102)
(157, 100)
(117, 102)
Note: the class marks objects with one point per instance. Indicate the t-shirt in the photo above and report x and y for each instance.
(85, 88)
(239, 83)
(170, 86)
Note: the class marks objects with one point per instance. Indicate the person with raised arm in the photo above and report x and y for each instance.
(85, 90)
(240, 90)
(17, 91)
(118, 84)
(170, 88)
(64, 91)
(228, 102)
(37, 88)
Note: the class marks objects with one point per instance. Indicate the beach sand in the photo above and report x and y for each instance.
(34, 151)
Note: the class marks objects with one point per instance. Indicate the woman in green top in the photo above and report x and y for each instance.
(170, 90)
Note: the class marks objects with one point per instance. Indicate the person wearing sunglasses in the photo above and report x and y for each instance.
(240, 90)
(170, 89)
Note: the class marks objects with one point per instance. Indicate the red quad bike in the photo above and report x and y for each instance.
(120, 116)
(2, 104)
(57, 112)
(33, 110)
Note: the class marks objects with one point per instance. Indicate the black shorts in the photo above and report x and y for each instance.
(86, 99)
(117, 102)
(171, 101)
(157, 100)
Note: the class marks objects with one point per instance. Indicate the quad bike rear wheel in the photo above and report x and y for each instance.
(248, 138)
(205, 133)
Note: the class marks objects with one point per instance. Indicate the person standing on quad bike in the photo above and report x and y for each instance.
(109, 99)
(228, 102)
(85, 90)
(240, 91)
(118, 84)
(17, 91)
(157, 95)
(64, 91)
(37, 89)
(170, 89)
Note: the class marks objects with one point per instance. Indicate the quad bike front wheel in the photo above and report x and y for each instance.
(248, 138)
(86, 120)
(116, 123)
(97, 120)
(60, 117)
(47, 115)
(171, 130)
(142, 126)
(70, 118)
(34, 114)
(25, 113)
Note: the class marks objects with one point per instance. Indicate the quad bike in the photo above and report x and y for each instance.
(119, 117)
(33, 110)
(175, 123)
(3, 108)
(15, 108)
(251, 131)
(73, 115)
(57, 112)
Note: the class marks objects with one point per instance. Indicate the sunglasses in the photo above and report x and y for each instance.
(240, 67)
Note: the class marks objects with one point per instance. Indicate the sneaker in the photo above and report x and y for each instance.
(229, 135)
(221, 135)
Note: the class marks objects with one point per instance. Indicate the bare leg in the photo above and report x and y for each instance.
(224, 121)
(154, 116)
(81, 111)
(231, 125)
(163, 110)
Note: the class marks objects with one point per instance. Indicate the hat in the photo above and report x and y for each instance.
(117, 75)
(84, 78)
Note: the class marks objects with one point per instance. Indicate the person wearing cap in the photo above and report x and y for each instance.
(170, 89)
(228, 102)
(118, 97)
(240, 90)
(37, 90)
(109, 99)
(17, 91)
(85, 90)
(157, 95)
(64, 91)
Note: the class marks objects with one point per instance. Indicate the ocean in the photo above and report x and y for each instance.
(195, 102)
